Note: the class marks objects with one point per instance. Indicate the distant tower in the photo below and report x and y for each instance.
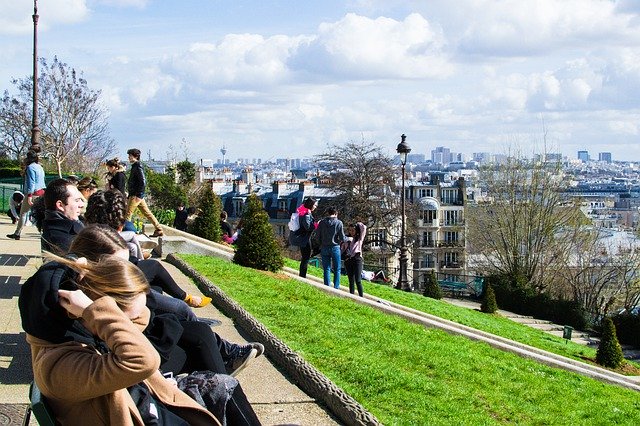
(223, 151)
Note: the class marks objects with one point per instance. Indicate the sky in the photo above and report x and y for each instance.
(288, 79)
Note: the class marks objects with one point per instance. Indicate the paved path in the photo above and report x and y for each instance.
(275, 399)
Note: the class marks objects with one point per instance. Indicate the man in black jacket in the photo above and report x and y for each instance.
(136, 188)
(63, 203)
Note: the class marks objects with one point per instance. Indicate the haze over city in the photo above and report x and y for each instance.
(272, 79)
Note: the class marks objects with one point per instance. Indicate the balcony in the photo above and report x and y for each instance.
(450, 265)
(451, 244)
(452, 222)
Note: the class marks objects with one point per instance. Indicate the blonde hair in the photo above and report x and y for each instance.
(110, 276)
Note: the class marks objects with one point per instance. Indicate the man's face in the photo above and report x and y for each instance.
(74, 203)
(132, 159)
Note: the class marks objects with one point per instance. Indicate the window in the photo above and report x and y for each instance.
(425, 192)
(428, 216)
(451, 259)
(282, 205)
(449, 196)
(429, 261)
(427, 239)
(377, 238)
(238, 207)
(451, 237)
(452, 217)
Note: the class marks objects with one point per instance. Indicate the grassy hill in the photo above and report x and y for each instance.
(405, 373)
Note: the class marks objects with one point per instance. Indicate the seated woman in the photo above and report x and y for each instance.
(109, 208)
(83, 323)
(96, 241)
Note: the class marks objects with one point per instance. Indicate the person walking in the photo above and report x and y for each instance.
(115, 177)
(331, 235)
(353, 256)
(136, 186)
(302, 236)
(33, 186)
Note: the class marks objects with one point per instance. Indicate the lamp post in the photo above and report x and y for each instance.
(403, 283)
(35, 130)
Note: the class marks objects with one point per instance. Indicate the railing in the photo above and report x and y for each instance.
(450, 265)
(457, 243)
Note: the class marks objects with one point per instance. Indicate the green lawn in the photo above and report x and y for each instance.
(405, 373)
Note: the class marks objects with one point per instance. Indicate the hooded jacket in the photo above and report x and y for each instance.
(84, 376)
(331, 232)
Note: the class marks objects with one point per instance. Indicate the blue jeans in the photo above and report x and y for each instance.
(331, 255)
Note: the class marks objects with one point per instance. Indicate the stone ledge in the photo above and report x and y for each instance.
(307, 377)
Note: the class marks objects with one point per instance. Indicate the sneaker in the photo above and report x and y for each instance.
(241, 360)
(259, 347)
(13, 236)
(194, 303)
(157, 233)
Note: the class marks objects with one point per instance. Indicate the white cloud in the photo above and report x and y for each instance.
(364, 48)
(16, 17)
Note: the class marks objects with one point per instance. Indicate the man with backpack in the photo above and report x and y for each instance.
(301, 236)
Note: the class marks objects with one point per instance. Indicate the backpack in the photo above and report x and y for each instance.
(294, 223)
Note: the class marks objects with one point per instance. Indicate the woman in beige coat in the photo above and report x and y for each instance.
(84, 324)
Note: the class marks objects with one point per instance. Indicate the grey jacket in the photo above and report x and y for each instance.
(331, 232)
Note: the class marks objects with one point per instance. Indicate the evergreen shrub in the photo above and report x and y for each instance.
(431, 287)
(488, 305)
(609, 352)
(207, 224)
(257, 246)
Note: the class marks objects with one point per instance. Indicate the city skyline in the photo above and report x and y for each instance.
(277, 79)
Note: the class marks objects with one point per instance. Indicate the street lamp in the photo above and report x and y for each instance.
(35, 130)
(403, 284)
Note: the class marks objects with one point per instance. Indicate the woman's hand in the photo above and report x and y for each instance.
(75, 302)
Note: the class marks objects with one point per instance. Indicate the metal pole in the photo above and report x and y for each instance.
(403, 283)
(35, 130)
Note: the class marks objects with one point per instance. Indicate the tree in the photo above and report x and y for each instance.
(488, 305)
(207, 224)
(186, 172)
(15, 126)
(163, 190)
(363, 178)
(256, 246)
(73, 122)
(609, 352)
(520, 231)
(431, 287)
(596, 273)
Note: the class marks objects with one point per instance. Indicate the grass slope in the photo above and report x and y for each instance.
(407, 374)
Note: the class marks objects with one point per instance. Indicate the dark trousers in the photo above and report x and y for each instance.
(353, 265)
(203, 352)
(159, 277)
(305, 253)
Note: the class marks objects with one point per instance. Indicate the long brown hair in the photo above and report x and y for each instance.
(95, 241)
(110, 276)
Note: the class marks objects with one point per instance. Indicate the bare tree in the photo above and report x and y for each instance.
(15, 125)
(363, 178)
(599, 274)
(520, 231)
(73, 122)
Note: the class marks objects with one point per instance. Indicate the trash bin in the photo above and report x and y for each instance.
(566, 332)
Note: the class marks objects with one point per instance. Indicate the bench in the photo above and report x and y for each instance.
(456, 288)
